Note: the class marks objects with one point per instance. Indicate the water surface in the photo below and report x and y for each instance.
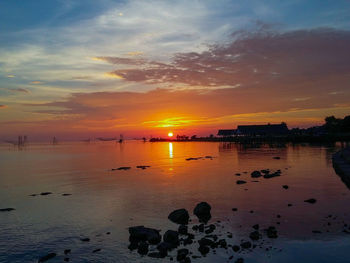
(104, 201)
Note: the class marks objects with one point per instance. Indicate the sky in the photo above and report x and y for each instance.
(85, 68)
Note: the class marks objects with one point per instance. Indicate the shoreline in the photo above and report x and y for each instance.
(341, 164)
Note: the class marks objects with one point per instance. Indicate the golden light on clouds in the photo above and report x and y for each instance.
(113, 75)
(135, 53)
(36, 82)
(11, 76)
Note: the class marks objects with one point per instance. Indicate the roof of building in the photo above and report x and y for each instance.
(268, 128)
(226, 132)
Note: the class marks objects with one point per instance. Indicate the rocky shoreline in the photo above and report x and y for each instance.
(341, 164)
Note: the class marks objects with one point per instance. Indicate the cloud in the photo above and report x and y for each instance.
(36, 82)
(21, 90)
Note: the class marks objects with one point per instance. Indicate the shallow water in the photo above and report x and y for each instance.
(104, 201)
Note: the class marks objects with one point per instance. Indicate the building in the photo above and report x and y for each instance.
(256, 130)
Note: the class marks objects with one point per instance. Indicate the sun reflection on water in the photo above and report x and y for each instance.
(171, 150)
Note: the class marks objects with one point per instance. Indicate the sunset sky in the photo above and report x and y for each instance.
(77, 69)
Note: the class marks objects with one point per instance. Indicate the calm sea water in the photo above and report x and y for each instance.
(104, 201)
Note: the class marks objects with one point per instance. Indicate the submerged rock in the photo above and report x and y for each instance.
(255, 235)
(202, 211)
(275, 174)
(246, 245)
(182, 254)
(121, 168)
(47, 257)
(271, 232)
(183, 230)
(179, 216)
(285, 186)
(85, 239)
(203, 250)
(163, 249)
(141, 233)
(240, 182)
(142, 248)
(45, 193)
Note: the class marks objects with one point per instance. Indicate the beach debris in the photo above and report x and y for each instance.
(121, 168)
(310, 201)
(202, 211)
(179, 216)
(8, 209)
(47, 257)
(143, 167)
(240, 182)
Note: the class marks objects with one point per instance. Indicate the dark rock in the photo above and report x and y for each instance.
(186, 260)
(202, 211)
(256, 227)
(235, 248)
(246, 245)
(141, 233)
(163, 248)
(205, 242)
(33, 195)
(45, 193)
(210, 229)
(241, 182)
(234, 209)
(67, 251)
(201, 228)
(66, 259)
(271, 232)
(66, 194)
(96, 250)
(238, 174)
(171, 237)
(255, 174)
(316, 232)
(310, 201)
(222, 243)
(203, 250)
(265, 171)
(276, 157)
(285, 186)
(239, 260)
(7, 209)
(47, 257)
(133, 245)
(85, 239)
(143, 248)
(182, 254)
(255, 235)
(155, 255)
(289, 205)
(143, 167)
(268, 176)
(179, 216)
(121, 168)
(183, 230)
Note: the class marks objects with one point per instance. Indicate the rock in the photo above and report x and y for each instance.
(141, 233)
(276, 157)
(255, 235)
(239, 260)
(238, 174)
(47, 257)
(203, 250)
(205, 242)
(85, 239)
(202, 211)
(96, 250)
(9, 209)
(66, 194)
(240, 182)
(285, 186)
(183, 230)
(256, 226)
(271, 232)
(121, 168)
(66, 259)
(255, 174)
(289, 205)
(163, 248)
(155, 255)
(67, 251)
(275, 174)
(45, 193)
(179, 216)
(186, 260)
(235, 248)
(222, 243)
(316, 231)
(310, 201)
(143, 167)
(182, 254)
(143, 248)
(171, 237)
(210, 229)
(234, 209)
(246, 245)
(33, 195)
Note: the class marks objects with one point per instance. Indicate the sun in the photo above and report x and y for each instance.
(170, 134)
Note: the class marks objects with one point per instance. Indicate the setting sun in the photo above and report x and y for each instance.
(170, 134)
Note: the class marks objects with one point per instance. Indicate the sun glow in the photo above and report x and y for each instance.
(170, 134)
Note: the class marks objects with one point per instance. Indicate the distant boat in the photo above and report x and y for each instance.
(106, 139)
(121, 138)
